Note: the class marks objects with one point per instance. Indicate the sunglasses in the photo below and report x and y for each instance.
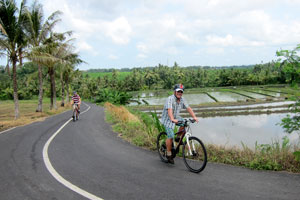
(180, 91)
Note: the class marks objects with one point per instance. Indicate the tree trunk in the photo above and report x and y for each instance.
(51, 88)
(40, 104)
(62, 91)
(7, 66)
(21, 56)
(15, 86)
(52, 77)
(67, 94)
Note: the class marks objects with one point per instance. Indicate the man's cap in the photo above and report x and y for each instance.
(179, 87)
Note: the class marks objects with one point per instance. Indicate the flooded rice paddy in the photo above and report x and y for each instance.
(234, 124)
(232, 131)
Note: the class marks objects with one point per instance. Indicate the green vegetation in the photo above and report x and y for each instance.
(25, 34)
(137, 130)
(142, 131)
(108, 75)
(50, 72)
(112, 96)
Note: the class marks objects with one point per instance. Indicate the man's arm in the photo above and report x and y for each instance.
(190, 110)
(170, 113)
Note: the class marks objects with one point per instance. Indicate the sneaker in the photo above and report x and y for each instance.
(78, 111)
(170, 159)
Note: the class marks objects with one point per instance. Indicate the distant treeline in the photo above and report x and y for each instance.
(188, 67)
(114, 83)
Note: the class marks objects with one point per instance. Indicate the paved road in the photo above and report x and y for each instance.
(92, 159)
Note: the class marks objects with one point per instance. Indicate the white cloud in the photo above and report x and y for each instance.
(142, 56)
(113, 57)
(84, 46)
(216, 40)
(154, 29)
(184, 37)
(229, 40)
(142, 47)
(119, 30)
(215, 50)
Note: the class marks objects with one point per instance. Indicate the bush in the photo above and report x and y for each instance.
(112, 96)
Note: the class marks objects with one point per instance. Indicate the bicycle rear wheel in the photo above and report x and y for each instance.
(195, 159)
(74, 115)
(162, 147)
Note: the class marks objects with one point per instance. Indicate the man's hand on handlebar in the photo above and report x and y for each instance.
(175, 121)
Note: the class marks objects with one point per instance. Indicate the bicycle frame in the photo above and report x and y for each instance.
(194, 152)
(185, 133)
(75, 107)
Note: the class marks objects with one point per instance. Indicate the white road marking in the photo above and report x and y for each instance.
(7, 130)
(56, 175)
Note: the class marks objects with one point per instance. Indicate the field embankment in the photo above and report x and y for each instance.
(139, 128)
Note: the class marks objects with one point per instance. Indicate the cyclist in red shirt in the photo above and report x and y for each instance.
(76, 101)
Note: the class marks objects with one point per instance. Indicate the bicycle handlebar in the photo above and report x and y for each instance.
(184, 122)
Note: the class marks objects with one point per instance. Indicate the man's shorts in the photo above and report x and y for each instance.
(170, 132)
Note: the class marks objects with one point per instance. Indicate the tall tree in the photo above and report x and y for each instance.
(71, 59)
(37, 31)
(11, 26)
(291, 64)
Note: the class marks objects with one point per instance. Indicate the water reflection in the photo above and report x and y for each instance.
(274, 94)
(194, 98)
(232, 130)
(191, 99)
(254, 95)
(228, 96)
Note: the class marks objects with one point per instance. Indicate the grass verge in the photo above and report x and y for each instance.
(130, 127)
(27, 112)
(139, 128)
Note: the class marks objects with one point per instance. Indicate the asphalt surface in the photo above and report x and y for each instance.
(90, 156)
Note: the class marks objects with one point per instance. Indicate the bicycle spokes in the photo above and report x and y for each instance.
(194, 154)
(161, 146)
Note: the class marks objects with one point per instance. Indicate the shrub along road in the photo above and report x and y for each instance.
(92, 160)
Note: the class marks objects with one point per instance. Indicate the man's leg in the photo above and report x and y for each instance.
(180, 132)
(169, 141)
(73, 108)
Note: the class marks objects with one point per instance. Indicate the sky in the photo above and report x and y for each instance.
(140, 33)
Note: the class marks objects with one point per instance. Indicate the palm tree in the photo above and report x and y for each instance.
(55, 52)
(37, 33)
(11, 24)
(65, 73)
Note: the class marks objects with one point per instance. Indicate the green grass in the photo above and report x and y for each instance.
(275, 156)
(121, 75)
(27, 110)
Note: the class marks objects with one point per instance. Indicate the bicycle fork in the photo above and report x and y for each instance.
(187, 135)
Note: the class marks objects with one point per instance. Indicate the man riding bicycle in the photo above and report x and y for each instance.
(76, 101)
(170, 116)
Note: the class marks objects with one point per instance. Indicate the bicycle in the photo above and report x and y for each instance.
(193, 151)
(75, 115)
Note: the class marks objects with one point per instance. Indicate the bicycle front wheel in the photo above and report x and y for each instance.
(194, 155)
(162, 147)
